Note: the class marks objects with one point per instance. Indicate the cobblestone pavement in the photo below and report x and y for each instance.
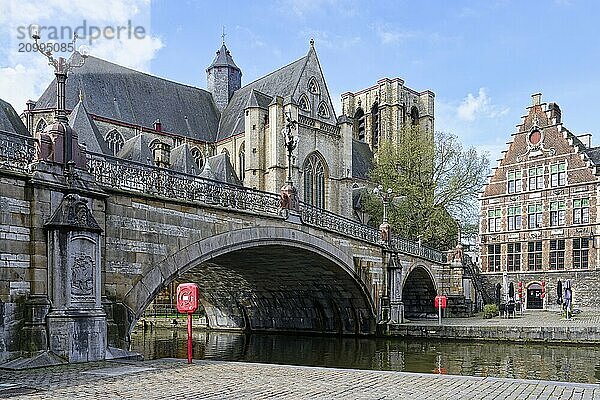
(529, 318)
(169, 378)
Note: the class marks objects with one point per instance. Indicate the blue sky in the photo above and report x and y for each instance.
(483, 59)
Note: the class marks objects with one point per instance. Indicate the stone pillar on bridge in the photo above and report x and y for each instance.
(76, 322)
(395, 282)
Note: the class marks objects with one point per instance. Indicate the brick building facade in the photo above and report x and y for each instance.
(539, 213)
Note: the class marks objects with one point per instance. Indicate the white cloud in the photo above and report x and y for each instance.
(389, 35)
(473, 107)
(24, 75)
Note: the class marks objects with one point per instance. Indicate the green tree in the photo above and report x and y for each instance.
(436, 183)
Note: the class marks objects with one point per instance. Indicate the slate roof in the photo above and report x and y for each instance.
(362, 159)
(281, 82)
(219, 168)
(87, 131)
(182, 160)
(594, 155)
(138, 149)
(223, 59)
(131, 96)
(10, 121)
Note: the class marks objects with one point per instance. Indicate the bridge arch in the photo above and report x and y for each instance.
(264, 278)
(418, 292)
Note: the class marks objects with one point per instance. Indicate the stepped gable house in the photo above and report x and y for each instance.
(539, 212)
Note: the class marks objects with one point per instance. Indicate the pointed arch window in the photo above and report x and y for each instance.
(359, 118)
(114, 140)
(303, 103)
(242, 159)
(41, 125)
(226, 152)
(198, 158)
(323, 110)
(375, 124)
(414, 115)
(314, 180)
(313, 86)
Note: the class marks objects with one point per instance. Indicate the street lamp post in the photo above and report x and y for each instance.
(62, 67)
(289, 193)
(385, 235)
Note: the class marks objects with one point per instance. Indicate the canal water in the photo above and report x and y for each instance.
(527, 361)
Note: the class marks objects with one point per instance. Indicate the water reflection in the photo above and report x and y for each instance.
(531, 361)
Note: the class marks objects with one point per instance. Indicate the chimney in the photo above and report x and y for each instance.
(554, 112)
(29, 115)
(536, 99)
(157, 125)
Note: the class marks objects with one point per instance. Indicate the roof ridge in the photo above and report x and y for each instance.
(273, 72)
(148, 74)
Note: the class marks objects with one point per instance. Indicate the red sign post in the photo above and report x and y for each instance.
(440, 302)
(187, 302)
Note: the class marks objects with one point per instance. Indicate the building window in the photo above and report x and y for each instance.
(375, 124)
(313, 85)
(414, 115)
(198, 158)
(494, 222)
(114, 140)
(242, 159)
(41, 125)
(558, 174)
(557, 254)
(323, 110)
(514, 218)
(580, 253)
(514, 257)
(557, 213)
(314, 181)
(493, 257)
(534, 216)
(515, 181)
(226, 152)
(536, 178)
(581, 211)
(534, 256)
(303, 103)
(359, 118)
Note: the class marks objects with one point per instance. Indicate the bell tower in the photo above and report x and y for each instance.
(223, 77)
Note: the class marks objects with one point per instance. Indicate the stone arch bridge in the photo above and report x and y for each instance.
(84, 252)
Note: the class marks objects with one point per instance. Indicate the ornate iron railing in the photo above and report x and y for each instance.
(17, 152)
(132, 176)
(332, 222)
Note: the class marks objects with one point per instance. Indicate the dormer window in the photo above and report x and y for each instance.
(323, 110)
(303, 103)
(313, 86)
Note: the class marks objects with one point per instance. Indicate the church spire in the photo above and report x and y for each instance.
(223, 76)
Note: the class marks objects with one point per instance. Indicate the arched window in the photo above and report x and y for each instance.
(114, 140)
(303, 103)
(242, 158)
(198, 158)
(314, 180)
(323, 110)
(41, 125)
(313, 85)
(414, 115)
(226, 152)
(359, 120)
(375, 124)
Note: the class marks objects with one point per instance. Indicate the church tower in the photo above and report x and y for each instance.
(223, 77)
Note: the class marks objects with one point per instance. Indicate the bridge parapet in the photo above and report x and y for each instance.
(132, 176)
(17, 152)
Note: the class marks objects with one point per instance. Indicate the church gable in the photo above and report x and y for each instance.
(311, 93)
(540, 151)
